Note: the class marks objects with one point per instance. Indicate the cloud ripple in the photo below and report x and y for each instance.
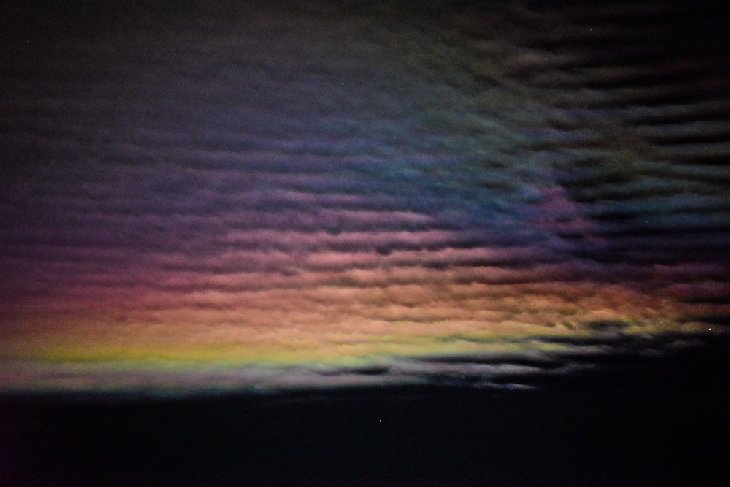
(243, 197)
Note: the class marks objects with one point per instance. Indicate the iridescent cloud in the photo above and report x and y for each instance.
(252, 198)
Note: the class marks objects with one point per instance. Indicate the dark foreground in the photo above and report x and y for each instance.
(661, 421)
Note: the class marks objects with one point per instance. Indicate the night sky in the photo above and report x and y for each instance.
(204, 199)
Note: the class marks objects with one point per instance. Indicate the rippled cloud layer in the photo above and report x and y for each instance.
(225, 198)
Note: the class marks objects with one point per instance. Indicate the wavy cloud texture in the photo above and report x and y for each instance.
(261, 197)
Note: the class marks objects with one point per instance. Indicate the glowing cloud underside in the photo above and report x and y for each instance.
(235, 200)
